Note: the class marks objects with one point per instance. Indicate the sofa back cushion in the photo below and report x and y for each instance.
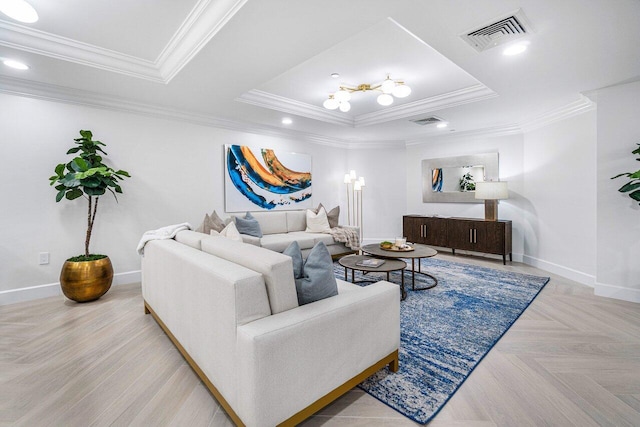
(296, 220)
(276, 269)
(270, 222)
(190, 238)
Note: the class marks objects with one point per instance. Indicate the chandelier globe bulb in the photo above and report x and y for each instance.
(331, 103)
(385, 99)
(401, 91)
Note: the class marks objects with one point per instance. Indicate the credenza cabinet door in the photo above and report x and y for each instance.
(425, 230)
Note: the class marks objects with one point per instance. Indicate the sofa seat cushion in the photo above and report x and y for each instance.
(277, 269)
(279, 242)
(327, 239)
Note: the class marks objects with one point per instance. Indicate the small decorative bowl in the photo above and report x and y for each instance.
(386, 245)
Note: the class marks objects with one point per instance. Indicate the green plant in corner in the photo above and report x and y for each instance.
(633, 186)
(86, 175)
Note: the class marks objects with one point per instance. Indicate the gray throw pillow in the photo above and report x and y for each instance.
(213, 222)
(333, 215)
(293, 250)
(317, 281)
(248, 225)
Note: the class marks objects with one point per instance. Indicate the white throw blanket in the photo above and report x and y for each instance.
(168, 232)
(350, 236)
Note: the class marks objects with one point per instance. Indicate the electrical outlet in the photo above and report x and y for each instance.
(44, 258)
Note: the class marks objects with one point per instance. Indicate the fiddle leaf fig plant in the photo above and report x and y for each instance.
(633, 186)
(86, 175)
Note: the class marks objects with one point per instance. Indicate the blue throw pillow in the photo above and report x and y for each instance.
(248, 225)
(317, 281)
(293, 250)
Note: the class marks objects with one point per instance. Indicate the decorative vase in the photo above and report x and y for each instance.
(85, 281)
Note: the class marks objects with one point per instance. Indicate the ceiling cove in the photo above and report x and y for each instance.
(203, 22)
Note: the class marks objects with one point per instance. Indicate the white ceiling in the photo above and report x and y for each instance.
(248, 63)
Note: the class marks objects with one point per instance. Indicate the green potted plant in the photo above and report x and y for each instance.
(467, 183)
(86, 277)
(633, 186)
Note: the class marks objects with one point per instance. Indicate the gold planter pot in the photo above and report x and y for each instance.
(86, 280)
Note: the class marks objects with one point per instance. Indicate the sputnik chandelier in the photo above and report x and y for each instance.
(388, 88)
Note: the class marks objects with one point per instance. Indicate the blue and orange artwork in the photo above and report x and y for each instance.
(266, 180)
(436, 180)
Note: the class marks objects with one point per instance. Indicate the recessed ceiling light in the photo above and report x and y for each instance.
(287, 121)
(441, 125)
(335, 75)
(515, 49)
(15, 64)
(19, 10)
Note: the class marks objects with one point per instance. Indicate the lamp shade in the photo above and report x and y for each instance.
(492, 190)
(347, 179)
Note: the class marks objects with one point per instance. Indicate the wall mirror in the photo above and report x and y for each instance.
(452, 179)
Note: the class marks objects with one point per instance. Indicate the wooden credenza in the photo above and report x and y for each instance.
(478, 235)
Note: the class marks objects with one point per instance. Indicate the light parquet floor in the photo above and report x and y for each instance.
(572, 359)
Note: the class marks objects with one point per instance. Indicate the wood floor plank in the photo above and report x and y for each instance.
(571, 359)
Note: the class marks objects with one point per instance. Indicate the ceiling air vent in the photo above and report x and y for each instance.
(503, 30)
(427, 121)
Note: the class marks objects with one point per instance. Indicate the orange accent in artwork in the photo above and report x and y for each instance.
(293, 178)
(259, 169)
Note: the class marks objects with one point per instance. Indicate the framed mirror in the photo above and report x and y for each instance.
(452, 179)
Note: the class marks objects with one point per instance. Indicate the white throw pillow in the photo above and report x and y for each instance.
(317, 222)
(230, 232)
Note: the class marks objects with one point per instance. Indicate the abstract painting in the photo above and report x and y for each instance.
(266, 179)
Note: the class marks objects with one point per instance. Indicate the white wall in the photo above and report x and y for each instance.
(560, 203)
(384, 195)
(618, 219)
(510, 150)
(177, 176)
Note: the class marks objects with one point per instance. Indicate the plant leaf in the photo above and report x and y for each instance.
(629, 186)
(95, 191)
(86, 134)
(60, 195)
(60, 170)
(635, 195)
(73, 194)
(79, 164)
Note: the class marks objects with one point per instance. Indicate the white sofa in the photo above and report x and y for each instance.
(280, 228)
(232, 311)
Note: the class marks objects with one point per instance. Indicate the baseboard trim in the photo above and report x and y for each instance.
(617, 292)
(30, 293)
(569, 273)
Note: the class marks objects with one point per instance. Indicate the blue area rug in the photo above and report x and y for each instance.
(446, 331)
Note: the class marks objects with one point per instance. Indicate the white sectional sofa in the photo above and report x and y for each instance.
(280, 228)
(231, 309)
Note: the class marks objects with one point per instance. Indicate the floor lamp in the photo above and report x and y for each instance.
(354, 199)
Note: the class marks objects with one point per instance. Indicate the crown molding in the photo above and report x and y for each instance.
(575, 108)
(489, 132)
(201, 25)
(375, 145)
(53, 93)
(30, 40)
(287, 105)
(466, 95)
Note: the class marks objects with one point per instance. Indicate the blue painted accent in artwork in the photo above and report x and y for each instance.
(233, 167)
(255, 177)
(436, 180)
(446, 331)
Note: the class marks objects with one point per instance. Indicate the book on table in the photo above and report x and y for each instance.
(370, 262)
